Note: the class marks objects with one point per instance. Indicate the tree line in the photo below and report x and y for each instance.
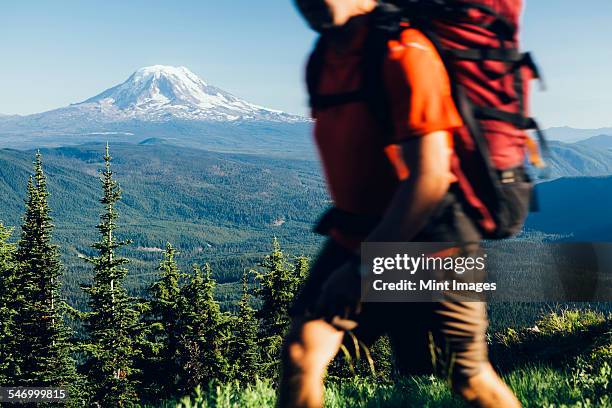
(123, 350)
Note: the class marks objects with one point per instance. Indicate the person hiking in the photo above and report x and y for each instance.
(400, 179)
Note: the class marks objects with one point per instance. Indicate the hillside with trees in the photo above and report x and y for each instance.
(179, 339)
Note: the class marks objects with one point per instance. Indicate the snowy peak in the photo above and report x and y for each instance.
(160, 85)
(161, 92)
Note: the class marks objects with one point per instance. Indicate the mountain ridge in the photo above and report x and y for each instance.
(579, 160)
(600, 141)
(569, 134)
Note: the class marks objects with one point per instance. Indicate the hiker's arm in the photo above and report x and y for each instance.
(428, 159)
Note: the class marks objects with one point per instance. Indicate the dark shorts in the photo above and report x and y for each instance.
(447, 338)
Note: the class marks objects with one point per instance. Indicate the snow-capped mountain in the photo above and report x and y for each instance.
(166, 102)
(161, 93)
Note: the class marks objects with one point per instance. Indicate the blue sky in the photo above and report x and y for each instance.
(53, 53)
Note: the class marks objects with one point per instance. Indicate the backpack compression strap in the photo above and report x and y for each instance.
(371, 92)
(382, 26)
(313, 79)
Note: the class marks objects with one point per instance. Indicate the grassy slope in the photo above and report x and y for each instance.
(565, 360)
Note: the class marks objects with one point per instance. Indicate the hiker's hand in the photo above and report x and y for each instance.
(340, 299)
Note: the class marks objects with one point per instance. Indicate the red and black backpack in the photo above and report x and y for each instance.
(478, 42)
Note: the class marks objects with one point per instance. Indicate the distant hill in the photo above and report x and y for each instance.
(599, 142)
(579, 160)
(580, 207)
(570, 135)
(154, 141)
(224, 208)
(274, 138)
(214, 207)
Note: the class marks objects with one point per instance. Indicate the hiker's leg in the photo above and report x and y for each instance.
(308, 350)
(311, 343)
(460, 330)
(487, 389)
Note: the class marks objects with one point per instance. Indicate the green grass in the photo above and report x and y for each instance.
(569, 321)
(578, 375)
(534, 386)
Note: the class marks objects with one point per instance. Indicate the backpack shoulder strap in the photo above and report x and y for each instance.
(314, 68)
(314, 71)
(374, 87)
(372, 91)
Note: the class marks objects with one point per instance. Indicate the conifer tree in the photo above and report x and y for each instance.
(112, 321)
(161, 369)
(8, 312)
(244, 349)
(278, 284)
(42, 337)
(302, 267)
(205, 332)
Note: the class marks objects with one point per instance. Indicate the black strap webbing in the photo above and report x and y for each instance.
(373, 91)
(518, 120)
(315, 68)
(490, 184)
(322, 101)
(529, 62)
(373, 79)
(350, 223)
(511, 55)
(422, 12)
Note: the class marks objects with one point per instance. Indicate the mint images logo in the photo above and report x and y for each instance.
(436, 275)
(508, 271)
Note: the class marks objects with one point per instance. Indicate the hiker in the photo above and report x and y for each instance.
(406, 159)
(401, 147)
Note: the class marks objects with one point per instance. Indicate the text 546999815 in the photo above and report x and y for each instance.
(32, 394)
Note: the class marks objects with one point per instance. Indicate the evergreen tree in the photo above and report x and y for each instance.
(205, 332)
(302, 267)
(244, 349)
(161, 367)
(278, 284)
(8, 312)
(112, 322)
(42, 337)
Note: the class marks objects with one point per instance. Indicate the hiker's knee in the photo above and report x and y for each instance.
(303, 359)
(310, 346)
(296, 355)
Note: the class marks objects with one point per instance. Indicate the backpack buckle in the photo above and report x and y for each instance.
(507, 176)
